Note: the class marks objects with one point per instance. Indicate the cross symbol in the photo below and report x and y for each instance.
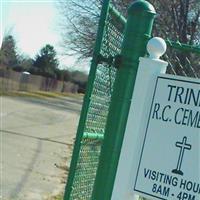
(183, 146)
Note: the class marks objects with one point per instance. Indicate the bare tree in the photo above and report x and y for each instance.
(176, 20)
(79, 25)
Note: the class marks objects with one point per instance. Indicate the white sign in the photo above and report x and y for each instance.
(169, 165)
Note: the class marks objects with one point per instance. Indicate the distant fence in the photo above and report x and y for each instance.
(16, 81)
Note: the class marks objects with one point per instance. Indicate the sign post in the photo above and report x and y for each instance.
(148, 69)
(160, 156)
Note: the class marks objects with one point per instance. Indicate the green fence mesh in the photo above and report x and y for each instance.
(98, 110)
(183, 60)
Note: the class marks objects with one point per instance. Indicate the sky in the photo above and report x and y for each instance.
(34, 23)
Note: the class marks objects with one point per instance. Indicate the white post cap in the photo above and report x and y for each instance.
(156, 47)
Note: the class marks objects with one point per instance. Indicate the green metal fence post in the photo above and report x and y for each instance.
(86, 102)
(138, 29)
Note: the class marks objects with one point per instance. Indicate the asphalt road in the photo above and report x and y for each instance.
(36, 143)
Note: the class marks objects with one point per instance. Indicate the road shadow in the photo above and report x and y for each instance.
(37, 138)
(20, 185)
(18, 188)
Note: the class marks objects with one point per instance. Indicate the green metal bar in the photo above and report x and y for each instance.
(183, 47)
(86, 102)
(139, 25)
(118, 15)
(93, 136)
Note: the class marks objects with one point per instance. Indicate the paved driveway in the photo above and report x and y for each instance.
(36, 140)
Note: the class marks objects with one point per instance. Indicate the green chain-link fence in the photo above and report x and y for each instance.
(183, 60)
(103, 77)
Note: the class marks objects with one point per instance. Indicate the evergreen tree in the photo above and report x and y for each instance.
(24, 63)
(8, 52)
(46, 63)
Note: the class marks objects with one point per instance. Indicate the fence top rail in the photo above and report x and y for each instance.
(117, 14)
(176, 45)
(183, 47)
